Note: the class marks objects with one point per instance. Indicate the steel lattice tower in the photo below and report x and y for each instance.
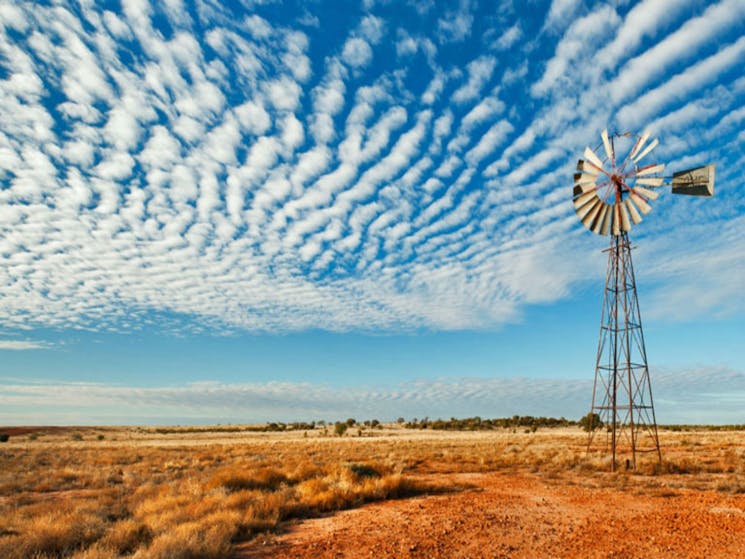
(622, 394)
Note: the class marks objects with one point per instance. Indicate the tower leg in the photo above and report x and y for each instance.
(622, 392)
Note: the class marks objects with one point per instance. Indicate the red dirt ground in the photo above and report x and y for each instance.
(513, 515)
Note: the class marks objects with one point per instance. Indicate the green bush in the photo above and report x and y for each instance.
(591, 422)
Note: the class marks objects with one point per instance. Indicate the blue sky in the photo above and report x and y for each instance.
(265, 210)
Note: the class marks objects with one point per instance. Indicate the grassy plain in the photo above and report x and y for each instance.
(177, 494)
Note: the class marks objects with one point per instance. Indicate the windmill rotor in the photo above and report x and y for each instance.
(612, 193)
(609, 195)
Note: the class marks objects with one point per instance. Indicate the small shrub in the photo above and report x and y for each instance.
(363, 471)
(126, 536)
(208, 539)
(4, 437)
(340, 428)
(234, 480)
(96, 552)
(590, 422)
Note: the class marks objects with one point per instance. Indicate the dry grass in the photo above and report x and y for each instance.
(140, 494)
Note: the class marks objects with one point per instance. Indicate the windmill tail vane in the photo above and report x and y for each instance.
(610, 195)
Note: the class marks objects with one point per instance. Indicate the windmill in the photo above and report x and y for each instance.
(610, 196)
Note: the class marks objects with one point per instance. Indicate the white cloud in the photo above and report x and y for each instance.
(11, 16)
(357, 52)
(22, 345)
(283, 93)
(479, 74)
(675, 48)
(579, 40)
(455, 26)
(372, 28)
(258, 27)
(116, 25)
(488, 108)
(561, 13)
(681, 85)
(253, 117)
(495, 136)
(645, 19)
(434, 89)
(406, 45)
(508, 38)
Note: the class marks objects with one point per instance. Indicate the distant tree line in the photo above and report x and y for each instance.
(527, 423)
(478, 424)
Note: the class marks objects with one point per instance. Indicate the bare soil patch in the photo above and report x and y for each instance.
(522, 515)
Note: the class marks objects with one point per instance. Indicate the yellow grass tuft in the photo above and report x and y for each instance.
(239, 479)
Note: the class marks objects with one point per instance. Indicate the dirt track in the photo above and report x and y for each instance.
(512, 515)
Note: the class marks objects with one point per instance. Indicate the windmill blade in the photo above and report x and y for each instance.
(597, 227)
(650, 181)
(587, 167)
(582, 188)
(633, 212)
(649, 148)
(582, 178)
(607, 218)
(586, 209)
(625, 223)
(583, 210)
(650, 170)
(648, 194)
(594, 159)
(582, 199)
(638, 145)
(616, 221)
(589, 218)
(606, 144)
(640, 203)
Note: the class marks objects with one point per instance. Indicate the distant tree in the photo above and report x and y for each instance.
(400, 420)
(351, 422)
(590, 422)
(374, 423)
(340, 428)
